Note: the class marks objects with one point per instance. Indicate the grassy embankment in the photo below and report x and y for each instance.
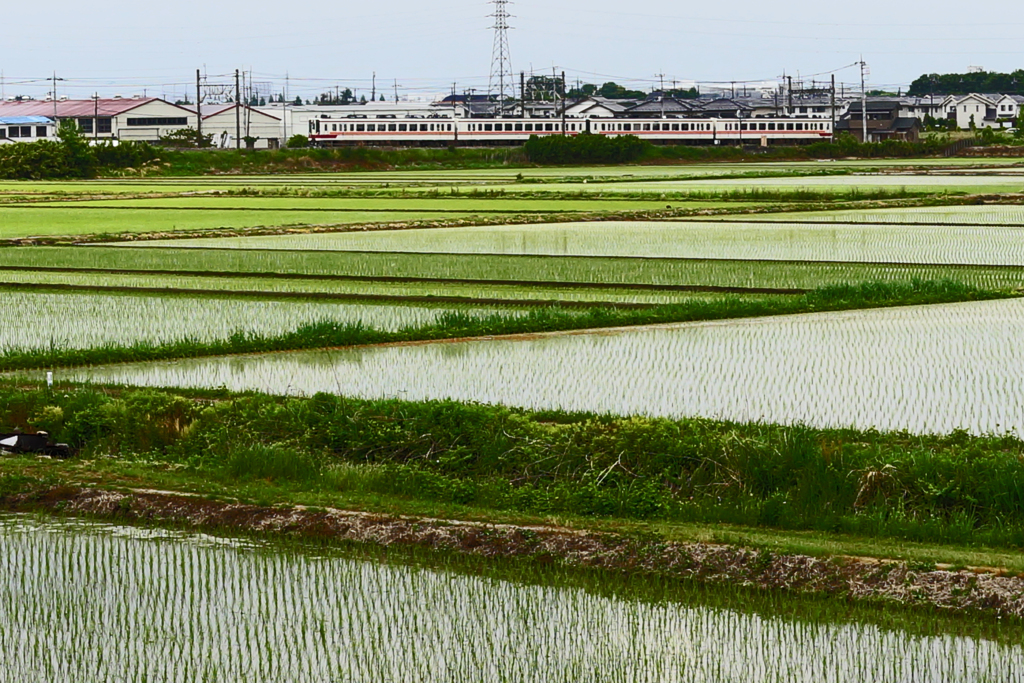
(953, 499)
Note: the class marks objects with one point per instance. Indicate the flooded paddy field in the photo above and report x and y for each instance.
(85, 602)
(741, 240)
(927, 369)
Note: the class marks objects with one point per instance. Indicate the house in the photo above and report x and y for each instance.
(657, 106)
(974, 110)
(118, 118)
(1008, 109)
(223, 120)
(725, 108)
(595, 107)
(26, 129)
(883, 122)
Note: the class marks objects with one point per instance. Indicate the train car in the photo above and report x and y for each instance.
(439, 130)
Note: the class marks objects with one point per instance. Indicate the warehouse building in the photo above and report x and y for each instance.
(26, 129)
(118, 118)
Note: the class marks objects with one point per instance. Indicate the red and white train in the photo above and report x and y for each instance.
(392, 131)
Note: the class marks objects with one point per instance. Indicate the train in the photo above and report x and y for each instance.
(439, 130)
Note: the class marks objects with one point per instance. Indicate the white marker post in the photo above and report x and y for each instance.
(49, 380)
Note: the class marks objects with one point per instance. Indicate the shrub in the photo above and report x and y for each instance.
(298, 141)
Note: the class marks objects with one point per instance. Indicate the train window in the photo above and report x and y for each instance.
(675, 126)
(402, 127)
(799, 126)
(519, 126)
(508, 126)
(423, 127)
(789, 126)
(548, 127)
(488, 126)
(334, 127)
(743, 126)
(392, 127)
(431, 127)
(771, 126)
(371, 127)
(449, 127)
(529, 126)
(360, 127)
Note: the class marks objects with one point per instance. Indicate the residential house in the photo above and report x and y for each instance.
(884, 122)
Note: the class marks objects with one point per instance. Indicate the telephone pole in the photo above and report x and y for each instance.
(199, 111)
(863, 100)
(238, 113)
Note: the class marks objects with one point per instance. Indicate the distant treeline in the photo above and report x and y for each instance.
(965, 84)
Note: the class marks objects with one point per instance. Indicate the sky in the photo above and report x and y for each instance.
(423, 48)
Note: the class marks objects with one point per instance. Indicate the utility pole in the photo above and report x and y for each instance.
(55, 79)
(373, 88)
(95, 117)
(522, 93)
(661, 97)
(563, 103)
(863, 101)
(396, 91)
(238, 113)
(199, 111)
(833, 107)
(789, 89)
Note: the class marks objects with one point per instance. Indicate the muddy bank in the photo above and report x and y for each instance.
(888, 581)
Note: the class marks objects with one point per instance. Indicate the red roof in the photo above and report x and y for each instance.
(75, 108)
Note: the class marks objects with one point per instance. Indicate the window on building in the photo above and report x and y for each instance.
(40, 131)
(3, 133)
(159, 121)
(15, 132)
(85, 125)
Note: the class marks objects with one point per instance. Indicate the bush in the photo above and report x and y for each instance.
(298, 141)
(585, 148)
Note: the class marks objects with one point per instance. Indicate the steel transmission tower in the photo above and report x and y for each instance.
(501, 82)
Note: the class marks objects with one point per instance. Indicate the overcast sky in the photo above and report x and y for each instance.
(119, 47)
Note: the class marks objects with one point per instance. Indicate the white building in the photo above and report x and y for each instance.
(26, 129)
(223, 120)
(118, 118)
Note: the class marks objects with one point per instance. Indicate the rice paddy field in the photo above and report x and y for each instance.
(994, 245)
(91, 602)
(944, 369)
(85, 320)
(395, 250)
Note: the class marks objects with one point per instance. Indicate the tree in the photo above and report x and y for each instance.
(614, 91)
(965, 84)
(298, 141)
(382, 97)
(81, 160)
(298, 101)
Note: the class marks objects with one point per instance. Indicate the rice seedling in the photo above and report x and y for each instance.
(929, 369)
(972, 215)
(84, 321)
(90, 602)
(492, 268)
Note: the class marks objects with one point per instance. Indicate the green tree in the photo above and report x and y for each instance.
(81, 160)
